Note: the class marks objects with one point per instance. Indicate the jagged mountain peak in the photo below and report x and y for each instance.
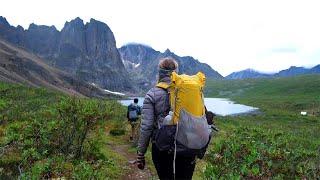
(92, 20)
(74, 22)
(3, 21)
(87, 51)
(168, 52)
(20, 28)
(99, 24)
(32, 25)
(36, 27)
(77, 20)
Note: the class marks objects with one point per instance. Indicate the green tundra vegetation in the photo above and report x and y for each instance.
(276, 143)
(45, 134)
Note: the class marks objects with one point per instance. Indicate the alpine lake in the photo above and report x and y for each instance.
(219, 106)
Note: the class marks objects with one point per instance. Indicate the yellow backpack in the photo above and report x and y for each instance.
(186, 93)
(189, 132)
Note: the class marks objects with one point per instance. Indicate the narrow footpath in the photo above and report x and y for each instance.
(133, 172)
(123, 147)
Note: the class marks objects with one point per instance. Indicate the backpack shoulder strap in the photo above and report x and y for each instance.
(163, 85)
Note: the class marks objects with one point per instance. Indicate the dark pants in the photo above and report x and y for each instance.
(163, 161)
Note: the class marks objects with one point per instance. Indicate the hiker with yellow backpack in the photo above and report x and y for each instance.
(174, 118)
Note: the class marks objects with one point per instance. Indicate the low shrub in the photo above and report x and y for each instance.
(46, 135)
(256, 153)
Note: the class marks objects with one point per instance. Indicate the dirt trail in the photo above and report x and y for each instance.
(134, 173)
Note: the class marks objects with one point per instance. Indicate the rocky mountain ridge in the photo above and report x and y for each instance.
(87, 51)
(142, 63)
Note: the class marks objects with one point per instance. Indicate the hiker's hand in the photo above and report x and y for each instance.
(141, 162)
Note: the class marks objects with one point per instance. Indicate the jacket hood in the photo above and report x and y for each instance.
(164, 75)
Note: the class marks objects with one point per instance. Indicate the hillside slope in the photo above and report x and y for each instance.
(20, 66)
(46, 134)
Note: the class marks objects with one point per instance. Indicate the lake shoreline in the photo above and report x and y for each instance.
(219, 106)
(250, 113)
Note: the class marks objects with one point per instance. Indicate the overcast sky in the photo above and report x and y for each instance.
(229, 35)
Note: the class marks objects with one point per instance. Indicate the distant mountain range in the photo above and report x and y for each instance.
(83, 59)
(292, 71)
(88, 52)
(248, 73)
(142, 63)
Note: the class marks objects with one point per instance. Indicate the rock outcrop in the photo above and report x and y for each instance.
(20, 66)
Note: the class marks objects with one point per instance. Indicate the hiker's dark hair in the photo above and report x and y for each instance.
(168, 63)
(135, 100)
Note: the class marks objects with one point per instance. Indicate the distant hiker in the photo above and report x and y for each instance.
(134, 110)
(167, 118)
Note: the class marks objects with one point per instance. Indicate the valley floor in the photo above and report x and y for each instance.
(279, 142)
(44, 134)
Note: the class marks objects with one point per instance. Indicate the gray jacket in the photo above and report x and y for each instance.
(155, 108)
